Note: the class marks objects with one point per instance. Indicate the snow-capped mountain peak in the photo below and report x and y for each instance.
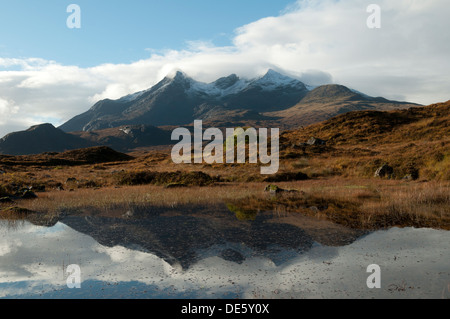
(272, 79)
(232, 84)
(177, 98)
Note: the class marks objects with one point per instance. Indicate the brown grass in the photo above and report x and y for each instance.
(353, 203)
(341, 185)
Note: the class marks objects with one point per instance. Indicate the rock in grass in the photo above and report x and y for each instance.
(316, 141)
(274, 189)
(384, 171)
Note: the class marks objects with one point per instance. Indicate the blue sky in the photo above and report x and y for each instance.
(122, 31)
(50, 73)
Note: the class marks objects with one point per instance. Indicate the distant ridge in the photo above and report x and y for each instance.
(46, 138)
(40, 138)
(328, 101)
(90, 155)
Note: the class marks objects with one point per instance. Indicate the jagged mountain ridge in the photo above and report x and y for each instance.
(273, 99)
(180, 100)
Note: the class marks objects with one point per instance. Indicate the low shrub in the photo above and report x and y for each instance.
(164, 178)
(287, 177)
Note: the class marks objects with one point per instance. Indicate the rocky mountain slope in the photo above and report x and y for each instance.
(180, 100)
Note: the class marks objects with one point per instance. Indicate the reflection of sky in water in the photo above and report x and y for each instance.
(414, 264)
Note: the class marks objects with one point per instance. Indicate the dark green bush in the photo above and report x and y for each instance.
(287, 177)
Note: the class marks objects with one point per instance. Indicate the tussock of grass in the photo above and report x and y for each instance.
(164, 178)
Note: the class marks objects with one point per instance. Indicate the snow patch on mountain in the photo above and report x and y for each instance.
(212, 90)
(132, 97)
(270, 81)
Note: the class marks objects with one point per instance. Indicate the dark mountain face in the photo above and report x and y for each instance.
(175, 101)
(46, 138)
(128, 137)
(40, 138)
(273, 100)
(328, 101)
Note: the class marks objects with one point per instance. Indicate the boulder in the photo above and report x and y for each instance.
(316, 141)
(128, 214)
(232, 255)
(274, 189)
(384, 171)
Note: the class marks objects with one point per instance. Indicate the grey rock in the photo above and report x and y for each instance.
(384, 171)
(232, 255)
(128, 214)
(316, 141)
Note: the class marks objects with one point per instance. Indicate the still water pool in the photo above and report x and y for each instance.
(206, 252)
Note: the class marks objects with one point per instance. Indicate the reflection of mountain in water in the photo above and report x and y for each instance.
(185, 235)
(179, 238)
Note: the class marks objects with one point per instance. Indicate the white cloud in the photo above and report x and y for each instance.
(318, 41)
(7, 108)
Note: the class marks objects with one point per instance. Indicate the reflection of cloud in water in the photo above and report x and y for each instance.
(33, 260)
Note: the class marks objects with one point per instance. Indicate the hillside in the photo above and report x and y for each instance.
(92, 155)
(39, 139)
(328, 101)
(414, 142)
(128, 137)
(430, 122)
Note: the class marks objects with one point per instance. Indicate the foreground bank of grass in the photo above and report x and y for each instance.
(366, 204)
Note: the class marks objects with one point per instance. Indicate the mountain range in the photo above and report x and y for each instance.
(144, 118)
(180, 100)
